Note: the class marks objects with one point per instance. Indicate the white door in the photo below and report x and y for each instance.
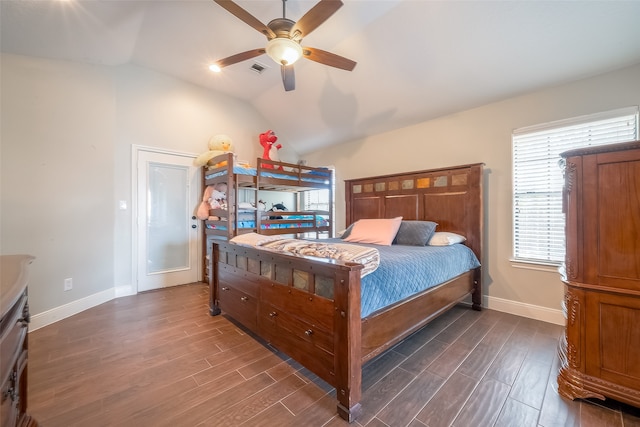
(168, 236)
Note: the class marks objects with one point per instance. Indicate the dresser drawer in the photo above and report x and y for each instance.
(239, 305)
(8, 409)
(14, 331)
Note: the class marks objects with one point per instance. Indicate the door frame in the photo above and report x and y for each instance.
(135, 150)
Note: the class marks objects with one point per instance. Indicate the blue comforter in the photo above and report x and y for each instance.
(406, 270)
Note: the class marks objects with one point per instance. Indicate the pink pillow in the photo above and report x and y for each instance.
(376, 231)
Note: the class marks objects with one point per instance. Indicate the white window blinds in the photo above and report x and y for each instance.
(316, 200)
(538, 221)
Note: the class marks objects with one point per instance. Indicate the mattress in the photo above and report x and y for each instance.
(406, 270)
(321, 178)
(300, 221)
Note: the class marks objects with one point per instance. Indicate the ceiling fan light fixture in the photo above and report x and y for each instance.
(284, 51)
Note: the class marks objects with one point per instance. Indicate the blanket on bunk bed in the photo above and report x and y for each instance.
(367, 256)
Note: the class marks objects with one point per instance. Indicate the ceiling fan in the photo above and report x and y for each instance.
(284, 37)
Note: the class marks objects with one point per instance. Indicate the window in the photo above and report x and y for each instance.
(316, 200)
(319, 200)
(538, 221)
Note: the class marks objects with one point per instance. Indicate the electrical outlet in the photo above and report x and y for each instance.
(68, 284)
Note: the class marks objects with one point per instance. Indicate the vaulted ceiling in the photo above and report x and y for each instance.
(417, 59)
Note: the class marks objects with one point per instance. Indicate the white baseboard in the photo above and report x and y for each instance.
(125, 291)
(525, 310)
(55, 314)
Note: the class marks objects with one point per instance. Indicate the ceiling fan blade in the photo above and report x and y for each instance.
(328, 58)
(239, 57)
(315, 17)
(288, 77)
(246, 17)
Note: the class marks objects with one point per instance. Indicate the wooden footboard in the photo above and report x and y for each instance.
(309, 308)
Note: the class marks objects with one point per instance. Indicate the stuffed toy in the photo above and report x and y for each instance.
(270, 148)
(203, 209)
(214, 197)
(278, 207)
(218, 145)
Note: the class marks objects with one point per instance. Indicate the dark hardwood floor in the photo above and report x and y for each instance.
(159, 359)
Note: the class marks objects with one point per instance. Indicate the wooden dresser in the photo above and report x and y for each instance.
(13, 341)
(600, 352)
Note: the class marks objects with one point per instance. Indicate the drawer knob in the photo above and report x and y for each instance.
(308, 332)
(273, 314)
(225, 288)
(245, 299)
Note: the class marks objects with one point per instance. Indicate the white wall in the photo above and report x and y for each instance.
(66, 134)
(57, 131)
(484, 135)
(160, 111)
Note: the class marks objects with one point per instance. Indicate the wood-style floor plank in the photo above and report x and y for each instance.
(531, 383)
(409, 402)
(516, 413)
(443, 408)
(159, 359)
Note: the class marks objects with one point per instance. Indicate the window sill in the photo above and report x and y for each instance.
(539, 266)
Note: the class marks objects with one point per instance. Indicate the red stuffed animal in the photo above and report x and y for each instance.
(270, 148)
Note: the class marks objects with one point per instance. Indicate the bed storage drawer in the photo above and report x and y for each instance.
(300, 325)
(239, 305)
(313, 309)
(238, 295)
(306, 343)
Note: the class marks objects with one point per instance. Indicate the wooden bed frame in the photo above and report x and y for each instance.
(261, 289)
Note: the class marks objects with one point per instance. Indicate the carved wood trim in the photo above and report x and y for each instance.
(570, 176)
(570, 268)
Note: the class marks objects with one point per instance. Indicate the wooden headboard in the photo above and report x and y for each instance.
(451, 197)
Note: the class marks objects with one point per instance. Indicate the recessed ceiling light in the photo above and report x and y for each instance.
(215, 68)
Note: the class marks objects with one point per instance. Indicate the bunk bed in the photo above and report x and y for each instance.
(231, 217)
(312, 308)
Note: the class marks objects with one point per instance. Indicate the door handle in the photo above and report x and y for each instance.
(194, 226)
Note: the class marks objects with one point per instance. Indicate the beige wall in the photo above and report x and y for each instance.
(484, 135)
(66, 135)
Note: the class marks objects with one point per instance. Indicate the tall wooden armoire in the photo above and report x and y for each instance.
(600, 352)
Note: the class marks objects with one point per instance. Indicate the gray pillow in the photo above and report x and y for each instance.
(347, 232)
(415, 233)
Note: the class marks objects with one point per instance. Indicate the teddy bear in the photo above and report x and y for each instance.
(214, 197)
(218, 145)
(270, 148)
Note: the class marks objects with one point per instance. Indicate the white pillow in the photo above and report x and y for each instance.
(445, 238)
